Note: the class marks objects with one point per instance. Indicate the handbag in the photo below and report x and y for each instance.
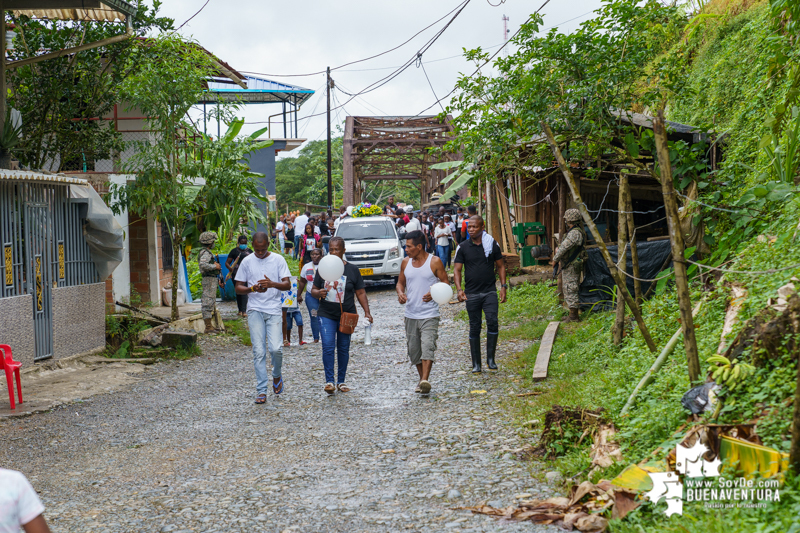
(348, 321)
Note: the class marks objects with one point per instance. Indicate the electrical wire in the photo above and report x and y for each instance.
(383, 81)
(461, 6)
(499, 50)
(193, 16)
(707, 205)
(429, 62)
(421, 64)
(370, 106)
(753, 272)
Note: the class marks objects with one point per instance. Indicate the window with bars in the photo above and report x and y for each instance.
(166, 247)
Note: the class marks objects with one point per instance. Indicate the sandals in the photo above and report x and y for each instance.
(418, 389)
(424, 387)
(277, 388)
(261, 398)
(341, 387)
(286, 343)
(329, 388)
(302, 343)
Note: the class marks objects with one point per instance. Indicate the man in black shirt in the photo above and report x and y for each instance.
(480, 258)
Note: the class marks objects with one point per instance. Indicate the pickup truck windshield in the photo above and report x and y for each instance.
(373, 229)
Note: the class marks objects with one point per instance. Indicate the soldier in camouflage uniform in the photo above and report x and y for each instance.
(572, 255)
(210, 269)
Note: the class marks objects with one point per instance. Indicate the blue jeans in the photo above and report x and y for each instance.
(296, 249)
(266, 330)
(312, 304)
(444, 254)
(334, 341)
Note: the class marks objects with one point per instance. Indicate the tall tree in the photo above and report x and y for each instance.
(164, 90)
(61, 99)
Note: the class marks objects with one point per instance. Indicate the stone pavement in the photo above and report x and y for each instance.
(186, 449)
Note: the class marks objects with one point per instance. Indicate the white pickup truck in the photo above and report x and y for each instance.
(372, 244)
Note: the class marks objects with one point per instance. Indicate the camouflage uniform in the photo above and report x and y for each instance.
(572, 273)
(206, 261)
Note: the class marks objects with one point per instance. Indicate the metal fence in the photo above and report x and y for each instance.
(43, 247)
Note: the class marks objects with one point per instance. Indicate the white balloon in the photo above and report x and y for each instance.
(441, 292)
(331, 267)
(349, 210)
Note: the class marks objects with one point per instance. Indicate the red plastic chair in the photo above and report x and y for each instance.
(11, 367)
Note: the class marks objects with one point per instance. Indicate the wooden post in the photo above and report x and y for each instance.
(676, 242)
(637, 285)
(622, 258)
(618, 278)
(490, 210)
(480, 196)
(562, 226)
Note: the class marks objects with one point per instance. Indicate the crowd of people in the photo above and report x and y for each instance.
(270, 298)
(274, 298)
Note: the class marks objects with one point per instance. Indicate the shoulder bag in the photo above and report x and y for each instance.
(348, 321)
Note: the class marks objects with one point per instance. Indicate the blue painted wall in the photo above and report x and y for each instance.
(263, 162)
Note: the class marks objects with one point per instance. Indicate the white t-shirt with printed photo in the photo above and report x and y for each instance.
(308, 272)
(19, 503)
(252, 270)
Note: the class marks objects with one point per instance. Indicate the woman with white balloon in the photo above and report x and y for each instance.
(422, 286)
(337, 284)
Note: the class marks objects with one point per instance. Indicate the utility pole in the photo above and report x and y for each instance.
(330, 184)
(505, 33)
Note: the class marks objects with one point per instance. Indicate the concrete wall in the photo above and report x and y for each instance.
(16, 326)
(79, 319)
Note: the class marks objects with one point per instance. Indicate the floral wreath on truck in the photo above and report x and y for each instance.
(366, 210)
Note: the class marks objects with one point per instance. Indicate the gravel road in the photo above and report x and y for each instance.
(186, 449)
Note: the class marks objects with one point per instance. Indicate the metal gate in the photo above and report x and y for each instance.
(39, 253)
(43, 247)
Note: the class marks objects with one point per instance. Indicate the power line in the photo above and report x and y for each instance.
(500, 49)
(421, 64)
(386, 79)
(429, 61)
(461, 5)
(193, 16)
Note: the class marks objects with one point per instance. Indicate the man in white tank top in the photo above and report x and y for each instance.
(420, 270)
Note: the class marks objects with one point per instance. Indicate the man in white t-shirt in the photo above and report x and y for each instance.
(280, 228)
(299, 229)
(20, 507)
(258, 277)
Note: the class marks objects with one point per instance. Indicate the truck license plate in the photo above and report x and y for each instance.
(365, 271)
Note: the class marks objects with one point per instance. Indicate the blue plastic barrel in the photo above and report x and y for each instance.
(228, 293)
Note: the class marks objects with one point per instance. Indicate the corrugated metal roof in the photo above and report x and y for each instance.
(259, 91)
(85, 10)
(99, 14)
(26, 175)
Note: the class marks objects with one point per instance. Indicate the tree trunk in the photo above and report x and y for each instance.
(562, 229)
(676, 241)
(794, 452)
(176, 257)
(637, 284)
(622, 256)
(618, 278)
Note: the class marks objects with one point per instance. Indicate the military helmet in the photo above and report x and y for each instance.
(208, 237)
(572, 215)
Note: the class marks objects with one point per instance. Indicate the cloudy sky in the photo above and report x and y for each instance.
(278, 38)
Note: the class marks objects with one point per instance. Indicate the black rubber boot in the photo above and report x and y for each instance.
(574, 315)
(491, 347)
(475, 350)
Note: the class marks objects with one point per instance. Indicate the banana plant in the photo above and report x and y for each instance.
(457, 179)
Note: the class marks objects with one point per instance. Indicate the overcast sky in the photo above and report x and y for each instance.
(271, 37)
